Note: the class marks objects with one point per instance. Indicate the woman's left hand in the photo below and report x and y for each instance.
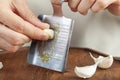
(82, 6)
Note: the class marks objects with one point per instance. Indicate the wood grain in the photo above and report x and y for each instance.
(17, 68)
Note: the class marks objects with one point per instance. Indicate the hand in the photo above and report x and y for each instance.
(82, 6)
(18, 25)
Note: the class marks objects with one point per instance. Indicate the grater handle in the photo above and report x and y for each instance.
(57, 7)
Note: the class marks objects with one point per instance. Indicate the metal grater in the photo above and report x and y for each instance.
(52, 54)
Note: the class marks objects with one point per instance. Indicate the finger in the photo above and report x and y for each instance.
(73, 4)
(16, 23)
(26, 13)
(12, 37)
(84, 6)
(101, 5)
(114, 9)
(65, 0)
(8, 47)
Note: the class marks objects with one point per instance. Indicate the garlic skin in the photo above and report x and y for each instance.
(1, 65)
(105, 63)
(50, 32)
(87, 71)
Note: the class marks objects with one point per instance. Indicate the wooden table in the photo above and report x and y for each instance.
(17, 68)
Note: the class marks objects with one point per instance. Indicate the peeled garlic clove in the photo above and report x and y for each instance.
(1, 65)
(50, 32)
(86, 71)
(106, 63)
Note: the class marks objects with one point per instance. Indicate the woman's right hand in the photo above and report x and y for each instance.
(18, 25)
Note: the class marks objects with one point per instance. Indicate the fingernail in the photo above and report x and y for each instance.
(45, 36)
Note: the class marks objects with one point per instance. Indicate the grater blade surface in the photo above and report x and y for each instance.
(52, 54)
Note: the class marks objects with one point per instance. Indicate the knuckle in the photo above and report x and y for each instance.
(39, 36)
(13, 49)
(16, 41)
(19, 27)
(35, 34)
(101, 4)
(26, 39)
(95, 10)
(74, 10)
(25, 15)
(73, 7)
(29, 15)
(82, 12)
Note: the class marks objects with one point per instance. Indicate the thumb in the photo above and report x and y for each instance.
(27, 14)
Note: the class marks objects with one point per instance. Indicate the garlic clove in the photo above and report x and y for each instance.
(86, 71)
(105, 63)
(1, 65)
(50, 32)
